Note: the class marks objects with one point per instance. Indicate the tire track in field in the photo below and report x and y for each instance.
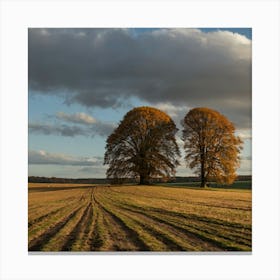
(38, 243)
(130, 234)
(85, 240)
(78, 229)
(96, 240)
(81, 236)
(119, 238)
(100, 239)
(159, 234)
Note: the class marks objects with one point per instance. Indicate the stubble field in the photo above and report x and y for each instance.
(65, 217)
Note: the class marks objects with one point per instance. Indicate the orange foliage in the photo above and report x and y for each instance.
(142, 146)
(212, 148)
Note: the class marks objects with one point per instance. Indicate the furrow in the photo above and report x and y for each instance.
(67, 246)
(131, 234)
(229, 233)
(37, 243)
(198, 233)
(83, 241)
(39, 228)
(197, 228)
(98, 237)
(160, 232)
(40, 218)
(177, 239)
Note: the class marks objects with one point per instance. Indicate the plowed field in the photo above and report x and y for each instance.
(137, 218)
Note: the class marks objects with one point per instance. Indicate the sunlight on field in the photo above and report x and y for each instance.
(72, 217)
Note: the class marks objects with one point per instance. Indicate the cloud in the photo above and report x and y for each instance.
(95, 127)
(246, 166)
(87, 126)
(43, 157)
(244, 134)
(62, 129)
(103, 129)
(94, 170)
(80, 118)
(177, 113)
(182, 67)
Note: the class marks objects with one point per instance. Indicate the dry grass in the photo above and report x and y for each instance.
(76, 217)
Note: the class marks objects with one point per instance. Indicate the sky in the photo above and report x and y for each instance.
(81, 82)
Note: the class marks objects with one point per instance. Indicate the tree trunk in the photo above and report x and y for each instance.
(203, 182)
(142, 180)
(202, 176)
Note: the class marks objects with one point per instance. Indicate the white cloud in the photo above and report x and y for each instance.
(80, 118)
(244, 134)
(176, 112)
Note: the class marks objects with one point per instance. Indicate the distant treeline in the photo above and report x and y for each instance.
(36, 179)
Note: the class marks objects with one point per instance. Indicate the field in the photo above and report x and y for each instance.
(68, 217)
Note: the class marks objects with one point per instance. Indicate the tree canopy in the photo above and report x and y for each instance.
(211, 147)
(143, 146)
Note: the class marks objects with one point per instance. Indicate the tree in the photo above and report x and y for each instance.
(211, 147)
(143, 146)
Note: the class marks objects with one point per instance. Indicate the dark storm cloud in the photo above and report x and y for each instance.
(183, 67)
(43, 157)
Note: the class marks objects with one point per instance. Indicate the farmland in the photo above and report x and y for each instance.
(84, 217)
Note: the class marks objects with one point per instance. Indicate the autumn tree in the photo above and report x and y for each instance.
(211, 146)
(143, 146)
